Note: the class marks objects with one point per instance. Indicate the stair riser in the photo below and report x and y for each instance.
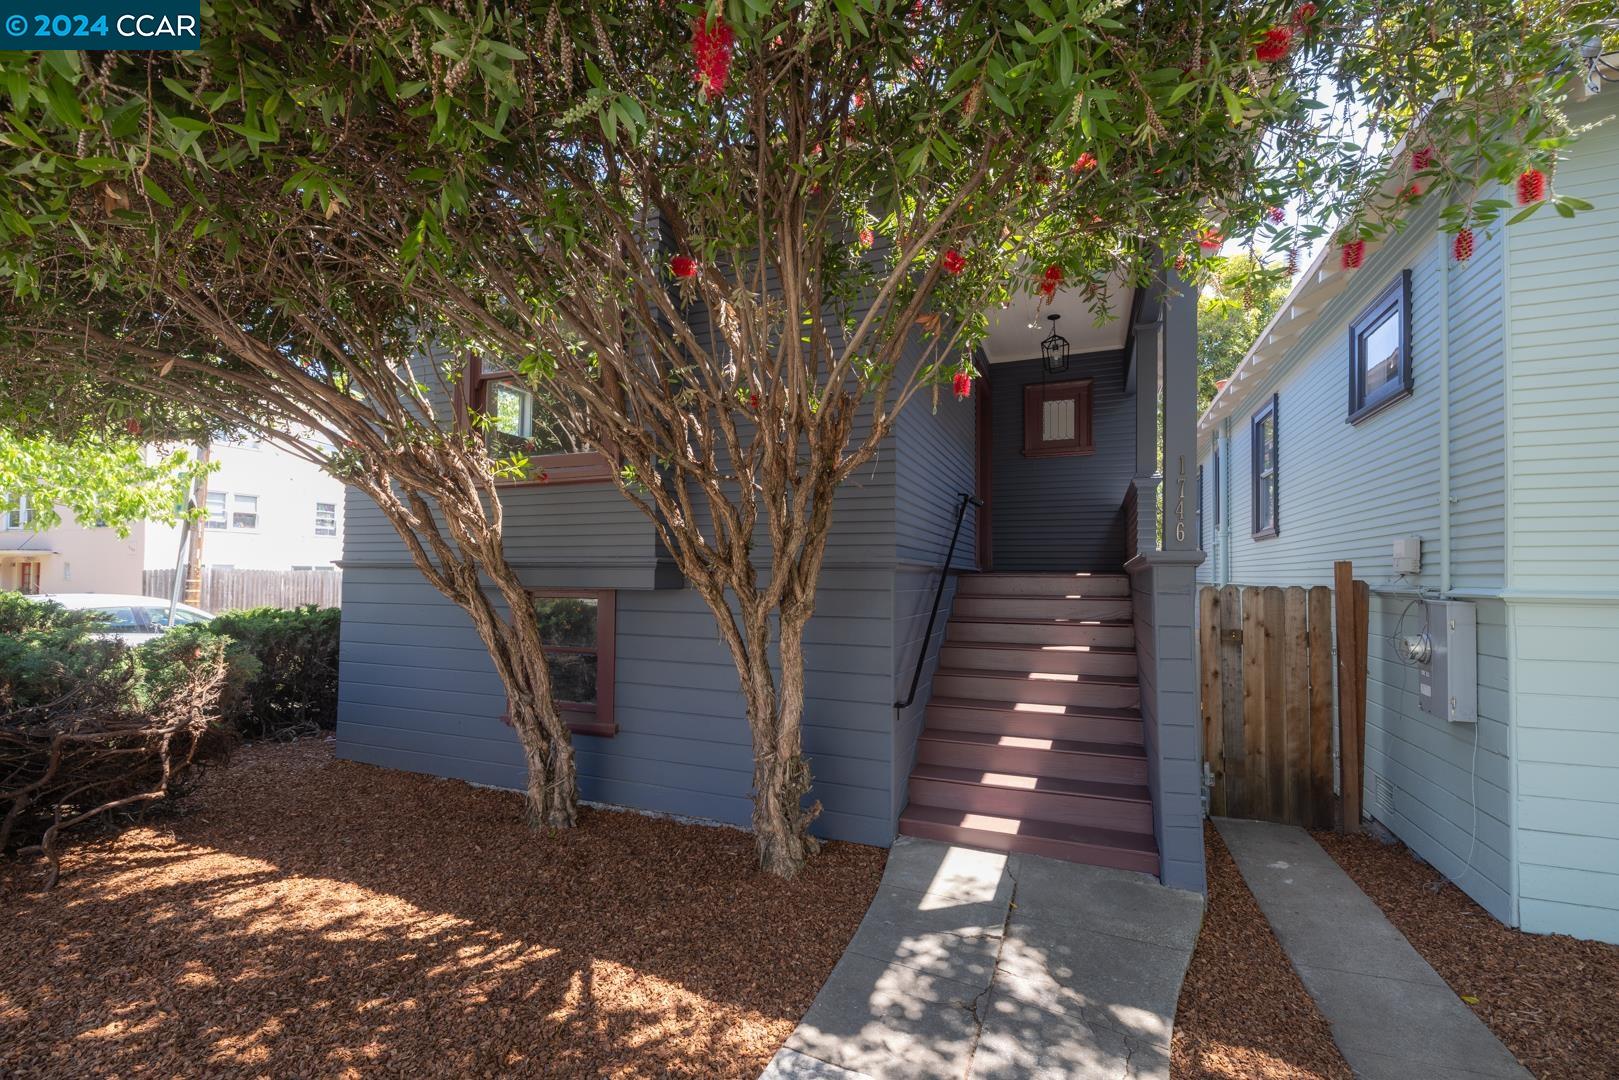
(1037, 659)
(1039, 607)
(1043, 634)
(1100, 813)
(1090, 854)
(1038, 691)
(1025, 761)
(1041, 585)
(1034, 725)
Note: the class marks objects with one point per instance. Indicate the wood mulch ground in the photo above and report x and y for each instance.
(305, 916)
(1243, 1013)
(1553, 1000)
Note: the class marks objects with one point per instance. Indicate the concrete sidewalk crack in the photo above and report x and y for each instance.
(978, 1002)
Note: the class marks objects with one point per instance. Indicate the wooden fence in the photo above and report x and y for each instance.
(232, 590)
(1268, 689)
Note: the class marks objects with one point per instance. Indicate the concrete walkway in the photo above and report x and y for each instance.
(1391, 1014)
(977, 964)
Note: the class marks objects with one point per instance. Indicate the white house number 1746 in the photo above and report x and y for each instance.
(1180, 501)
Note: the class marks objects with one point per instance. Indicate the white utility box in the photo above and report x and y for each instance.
(1408, 555)
(1446, 656)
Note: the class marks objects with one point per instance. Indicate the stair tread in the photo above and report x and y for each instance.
(1114, 575)
(1141, 843)
(1033, 784)
(1105, 650)
(1023, 676)
(1050, 620)
(1055, 746)
(1102, 712)
(976, 595)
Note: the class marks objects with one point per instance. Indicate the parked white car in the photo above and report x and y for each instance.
(131, 619)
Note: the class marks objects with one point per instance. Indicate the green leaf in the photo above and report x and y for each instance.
(156, 192)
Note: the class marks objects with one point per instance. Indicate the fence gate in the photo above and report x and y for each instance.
(1267, 674)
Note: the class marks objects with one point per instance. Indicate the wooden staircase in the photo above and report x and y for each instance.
(1033, 738)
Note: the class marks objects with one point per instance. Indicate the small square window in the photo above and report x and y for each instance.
(1057, 419)
(18, 516)
(325, 519)
(244, 512)
(1266, 471)
(1380, 351)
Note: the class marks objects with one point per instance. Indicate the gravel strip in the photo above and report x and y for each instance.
(1243, 1013)
(1552, 999)
(313, 917)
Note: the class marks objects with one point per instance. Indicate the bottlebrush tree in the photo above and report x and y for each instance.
(729, 241)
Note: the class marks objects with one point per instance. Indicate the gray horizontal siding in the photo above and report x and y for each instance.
(1061, 513)
(417, 691)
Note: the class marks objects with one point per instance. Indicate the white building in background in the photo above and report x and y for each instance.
(268, 510)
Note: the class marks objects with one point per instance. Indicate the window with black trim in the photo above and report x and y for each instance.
(1214, 470)
(1266, 471)
(1057, 419)
(1200, 538)
(523, 432)
(577, 629)
(1380, 351)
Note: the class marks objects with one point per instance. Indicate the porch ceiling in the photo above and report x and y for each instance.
(1015, 331)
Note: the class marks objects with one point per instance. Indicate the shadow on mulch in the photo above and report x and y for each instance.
(312, 917)
(1243, 1013)
(1552, 999)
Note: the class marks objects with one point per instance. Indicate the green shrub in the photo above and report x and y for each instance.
(294, 690)
(92, 731)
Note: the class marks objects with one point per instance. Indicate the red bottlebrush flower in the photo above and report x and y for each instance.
(1292, 262)
(1210, 240)
(1278, 40)
(753, 401)
(963, 384)
(1303, 13)
(1531, 187)
(683, 266)
(1462, 246)
(954, 262)
(711, 46)
(867, 237)
(1180, 262)
(1412, 190)
(1354, 253)
(1083, 164)
(1422, 159)
(1053, 274)
(858, 100)
(1276, 215)
(133, 426)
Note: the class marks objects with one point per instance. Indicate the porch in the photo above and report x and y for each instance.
(1062, 716)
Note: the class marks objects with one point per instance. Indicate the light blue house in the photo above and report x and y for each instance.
(1473, 407)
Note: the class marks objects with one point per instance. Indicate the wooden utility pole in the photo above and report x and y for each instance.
(199, 496)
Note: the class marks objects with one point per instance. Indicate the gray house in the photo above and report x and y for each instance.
(1453, 428)
(1054, 709)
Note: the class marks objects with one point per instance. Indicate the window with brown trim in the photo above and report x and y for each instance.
(577, 629)
(522, 430)
(1057, 419)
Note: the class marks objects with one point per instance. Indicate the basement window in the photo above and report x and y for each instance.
(1057, 419)
(577, 629)
(1380, 351)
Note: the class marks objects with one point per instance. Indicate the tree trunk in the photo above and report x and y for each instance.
(519, 657)
(781, 773)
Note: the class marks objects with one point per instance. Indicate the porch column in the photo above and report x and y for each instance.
(1162, 584)
(1148, 337)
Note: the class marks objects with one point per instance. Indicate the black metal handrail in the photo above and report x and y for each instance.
(938, 594)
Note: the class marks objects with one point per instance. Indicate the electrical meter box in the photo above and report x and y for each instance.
(1447, 678)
